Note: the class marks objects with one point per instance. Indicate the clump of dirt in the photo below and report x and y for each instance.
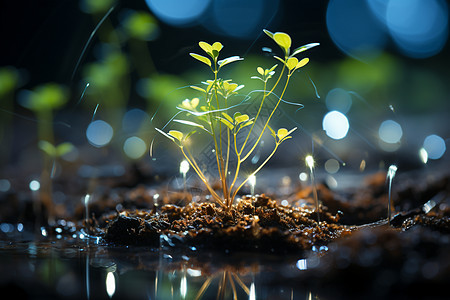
(254, 223)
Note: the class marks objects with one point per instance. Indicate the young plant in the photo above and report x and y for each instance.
(212, 115)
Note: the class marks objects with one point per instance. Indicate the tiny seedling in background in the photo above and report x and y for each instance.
(211, 113)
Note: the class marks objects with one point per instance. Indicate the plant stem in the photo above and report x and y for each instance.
(257, 170)
(268, 120)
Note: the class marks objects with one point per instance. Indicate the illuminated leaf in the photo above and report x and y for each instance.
(270, 34)
(241, 118)
(165, 134)
(227, 123)
(228, 117)
(302, 63)
(283, 40)
(282, 133)
(198, 88)
(256, 77)
(201, 58)
(190, 123)
(228, 60)
(304, 48)
(217, 46)
(260, 70)
(176, 134)
(292, 63)
(206, 47)
(282, 60)
(194, 102)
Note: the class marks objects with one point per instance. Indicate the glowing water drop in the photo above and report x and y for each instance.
(310, 163)
(110, 284)
(390, 175)
(252, 182)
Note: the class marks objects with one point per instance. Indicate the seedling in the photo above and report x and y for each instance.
(211, 113)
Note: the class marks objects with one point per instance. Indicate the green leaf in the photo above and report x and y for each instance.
(206, 47)
(236, 115)
(260, 70)
(198, 88)
(304, 48)
(292, 63)
(227, 116)
(47, 147)
(201, 58)
(302, 63)
(250, 122)
(270, 34)
(241, 118)
(256, 77)
(176, 134)
(282, 60)
(165, 134)
(229, 60)
(282, 133)
(64, 148)
(227, 123)
(271, 69)
(217, 46)
(190, 123)
(283, 40)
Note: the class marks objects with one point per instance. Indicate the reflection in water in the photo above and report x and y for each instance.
(82, 268)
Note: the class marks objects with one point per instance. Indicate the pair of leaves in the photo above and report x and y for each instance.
(213, 51)
(55, 151)
(237, 121)
(190, 104)
(266, 74)
(284, 41)
(175, 135)
(282, 134)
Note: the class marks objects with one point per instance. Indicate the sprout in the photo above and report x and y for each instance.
(213, 115)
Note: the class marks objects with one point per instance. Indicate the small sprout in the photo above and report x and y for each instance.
(283, 134)
(390, 176)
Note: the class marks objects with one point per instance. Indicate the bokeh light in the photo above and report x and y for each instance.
(332, 166)
(134, 119)
(5, 185)
(353, 28)
(134, 147)
(335, 125)
(419, 28)
(99, 133)
(390, 132)
(178, 12)
(434, 145)
(339, 99)
(34, 185)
